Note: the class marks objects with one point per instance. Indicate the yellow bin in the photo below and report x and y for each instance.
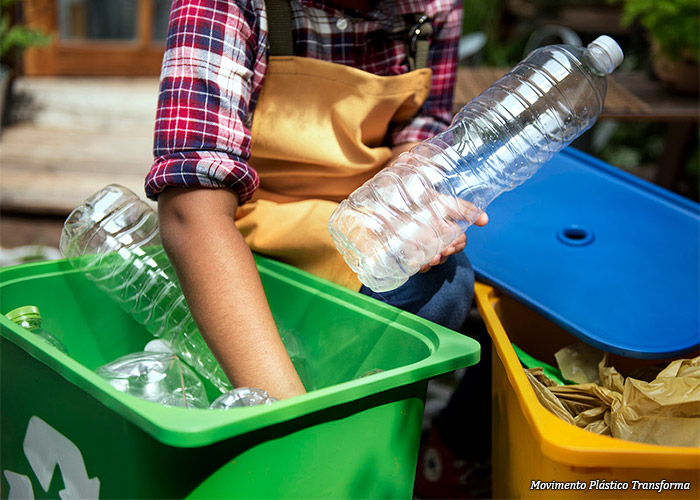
(537, 455)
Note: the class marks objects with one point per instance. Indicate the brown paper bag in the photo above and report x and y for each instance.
(665, 411)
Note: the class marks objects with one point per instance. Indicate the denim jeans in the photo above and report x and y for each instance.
(443, 294)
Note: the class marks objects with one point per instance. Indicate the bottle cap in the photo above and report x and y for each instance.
(611, 48)
(23, 313)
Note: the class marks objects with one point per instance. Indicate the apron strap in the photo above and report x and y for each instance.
(279, 22)
(418, 41)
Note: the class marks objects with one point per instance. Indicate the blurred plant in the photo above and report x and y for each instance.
(505, 44)
(634, 145)
(16, 36)
(691, 186)
(638, 148)
(673, 24)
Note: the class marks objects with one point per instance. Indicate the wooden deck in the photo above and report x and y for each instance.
(631, 96)
(51, 171)
(87, 133)
(84, 134)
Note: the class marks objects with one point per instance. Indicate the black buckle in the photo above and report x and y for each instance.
(421, 30)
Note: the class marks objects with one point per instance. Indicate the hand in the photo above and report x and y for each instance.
(455, 247)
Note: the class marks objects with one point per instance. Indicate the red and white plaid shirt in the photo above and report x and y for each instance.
(215, 63)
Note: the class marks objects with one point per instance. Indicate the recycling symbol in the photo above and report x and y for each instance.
(46, 448)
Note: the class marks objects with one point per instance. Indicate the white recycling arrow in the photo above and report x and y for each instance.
(20, 486)
(45, 448)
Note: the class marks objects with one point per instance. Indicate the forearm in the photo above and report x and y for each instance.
(220, 281)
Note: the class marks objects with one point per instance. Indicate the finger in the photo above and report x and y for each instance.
(437, 260)
(459, 244)
(482, 220)
(426, 267)
(455, 247)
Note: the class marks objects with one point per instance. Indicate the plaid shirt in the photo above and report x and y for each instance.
(214, 67)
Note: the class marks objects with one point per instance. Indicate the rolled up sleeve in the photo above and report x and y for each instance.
(212, 70)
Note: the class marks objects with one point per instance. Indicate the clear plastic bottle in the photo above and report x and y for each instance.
(297, 350)
(410, 211)
(113, 239)
(29, 317)
(241, 397)
(160, 377)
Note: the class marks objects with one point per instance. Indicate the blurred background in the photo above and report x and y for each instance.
(79, 84)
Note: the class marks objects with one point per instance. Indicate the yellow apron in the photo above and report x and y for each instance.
(316, 136)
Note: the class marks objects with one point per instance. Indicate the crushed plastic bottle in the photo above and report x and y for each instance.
(29, 317)
(113, 239)
(160, 377)
(242, 396)
(396, 222)
(297, 351)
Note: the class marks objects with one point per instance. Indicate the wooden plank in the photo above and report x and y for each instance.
(56, 192)
(40, 15)
(472, 81)
(663, 104)
(95, 59)
(144, 22)
(631, 96)
(25, 147)
(46, 171)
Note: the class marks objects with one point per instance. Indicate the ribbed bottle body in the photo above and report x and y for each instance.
(409, 212)
(113, 240)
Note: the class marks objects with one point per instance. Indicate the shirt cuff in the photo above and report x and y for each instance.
(202, 169)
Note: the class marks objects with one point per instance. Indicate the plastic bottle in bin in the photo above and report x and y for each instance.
(396, 222)
(160, 377)
(29, 317)
(241, 397)
(113, 239)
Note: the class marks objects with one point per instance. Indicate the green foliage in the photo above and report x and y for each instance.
(634, 145)
(487, 16)
(673, 24)
(16, 36)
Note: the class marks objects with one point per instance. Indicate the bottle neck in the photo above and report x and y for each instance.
(26, 316)
(28, 322)
(599, 60)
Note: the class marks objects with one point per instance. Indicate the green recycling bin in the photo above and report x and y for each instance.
(66, 432)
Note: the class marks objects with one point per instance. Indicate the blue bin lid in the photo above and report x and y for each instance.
(609, 257)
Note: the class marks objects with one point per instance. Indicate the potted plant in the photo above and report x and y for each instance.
(13, 38)
(673, 27)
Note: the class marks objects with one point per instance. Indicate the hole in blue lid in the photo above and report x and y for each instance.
(575, 235)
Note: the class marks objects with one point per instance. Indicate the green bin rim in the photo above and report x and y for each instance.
(184, 427)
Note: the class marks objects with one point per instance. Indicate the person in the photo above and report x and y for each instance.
(253, 151)
(269, 114)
